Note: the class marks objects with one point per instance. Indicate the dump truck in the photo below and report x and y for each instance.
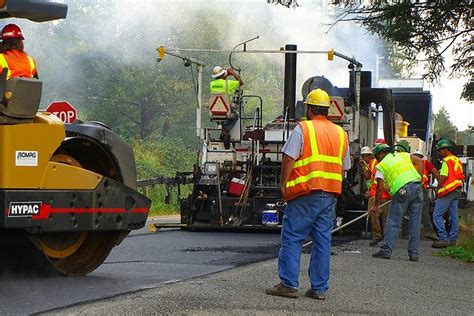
(67, 191)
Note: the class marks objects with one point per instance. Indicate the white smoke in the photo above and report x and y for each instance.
(129, 31)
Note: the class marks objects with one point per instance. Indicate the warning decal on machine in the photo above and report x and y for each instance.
(24, 209)
(26, 158)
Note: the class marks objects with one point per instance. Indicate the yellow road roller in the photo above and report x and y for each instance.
(67, 191)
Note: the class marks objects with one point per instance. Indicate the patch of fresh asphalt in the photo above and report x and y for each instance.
(141, 261)
(359, 284)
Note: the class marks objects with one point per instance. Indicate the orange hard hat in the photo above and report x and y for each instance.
(12, 31)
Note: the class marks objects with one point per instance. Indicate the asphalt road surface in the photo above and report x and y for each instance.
(141, 261)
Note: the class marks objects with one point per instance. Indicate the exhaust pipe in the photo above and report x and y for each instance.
(290, 81)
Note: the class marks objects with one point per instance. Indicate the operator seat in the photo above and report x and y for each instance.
(20, 99)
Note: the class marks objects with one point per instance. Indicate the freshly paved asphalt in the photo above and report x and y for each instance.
(142, 261)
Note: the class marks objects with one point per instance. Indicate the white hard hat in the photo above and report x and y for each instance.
(366, 150)
(218, 71)
(419, 152)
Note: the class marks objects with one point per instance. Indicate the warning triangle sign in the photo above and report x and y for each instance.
(336, 109)
(219, 106)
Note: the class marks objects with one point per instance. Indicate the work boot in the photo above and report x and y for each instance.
(375, 242)
(432, 236)
(317, 296)
(441, 244)
(226, 140)
(452, 243)
(413, 258)
(381, 255)
(281, 290)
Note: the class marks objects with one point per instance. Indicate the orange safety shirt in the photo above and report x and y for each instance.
(19, 64)
(320, 165)
(373, 188)
(452, 170)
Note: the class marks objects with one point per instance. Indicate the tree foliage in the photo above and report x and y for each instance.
(421, 30)
(444, 128)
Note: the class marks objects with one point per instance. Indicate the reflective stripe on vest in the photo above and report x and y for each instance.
(4, 64)
(32, 65)
(316, 170)
(455, 175)
(397, 170)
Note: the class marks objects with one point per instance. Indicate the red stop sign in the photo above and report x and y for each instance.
(63, 110)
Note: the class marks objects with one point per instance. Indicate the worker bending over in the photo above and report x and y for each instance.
(369, 164)
(451, 176)
(314, 157)
(221, 84)
(401, 172)
(12, 54)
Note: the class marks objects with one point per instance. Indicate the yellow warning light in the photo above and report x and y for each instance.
(331, 54)
(161, 52)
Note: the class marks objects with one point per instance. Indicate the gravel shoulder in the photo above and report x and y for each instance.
(359, 284)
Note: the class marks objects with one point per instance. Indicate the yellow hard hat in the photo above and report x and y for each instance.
(318, 97)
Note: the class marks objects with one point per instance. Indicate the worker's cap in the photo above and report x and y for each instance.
(419, 153)
(218, 71)
(443, 143)
(10, 31)
(318, 97)
(379, 141)
(366, 150)
(380, 148)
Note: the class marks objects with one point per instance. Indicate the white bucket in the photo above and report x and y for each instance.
(270, 218)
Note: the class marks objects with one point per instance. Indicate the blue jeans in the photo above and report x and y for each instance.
(409, 197)
(307, 215)
(447, 203)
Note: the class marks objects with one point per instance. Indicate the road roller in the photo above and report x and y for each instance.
(67, 191)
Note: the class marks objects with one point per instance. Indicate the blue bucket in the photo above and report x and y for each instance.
(270, 218)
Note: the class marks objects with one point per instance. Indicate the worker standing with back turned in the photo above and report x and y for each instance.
(12, 54)
(401, 172)
(450, 181)
(314, 157)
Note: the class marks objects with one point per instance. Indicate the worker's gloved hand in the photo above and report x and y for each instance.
(373, 209)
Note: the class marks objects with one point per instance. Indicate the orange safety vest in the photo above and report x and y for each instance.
(425, 179)
(455, 175)
(373, 188)
(18, 64)
(320, 165)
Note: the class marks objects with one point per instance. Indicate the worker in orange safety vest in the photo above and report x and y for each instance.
(12, 55)
(451, 177)
(314, 159)
(369, 164)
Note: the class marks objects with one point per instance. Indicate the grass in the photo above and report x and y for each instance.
(464, 250)
(157, 195)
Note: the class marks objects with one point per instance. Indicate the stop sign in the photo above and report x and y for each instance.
(63, 110)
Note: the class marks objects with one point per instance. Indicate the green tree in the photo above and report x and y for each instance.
(444, 127)
(422, 30)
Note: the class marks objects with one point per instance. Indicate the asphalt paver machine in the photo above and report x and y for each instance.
(238, 188)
